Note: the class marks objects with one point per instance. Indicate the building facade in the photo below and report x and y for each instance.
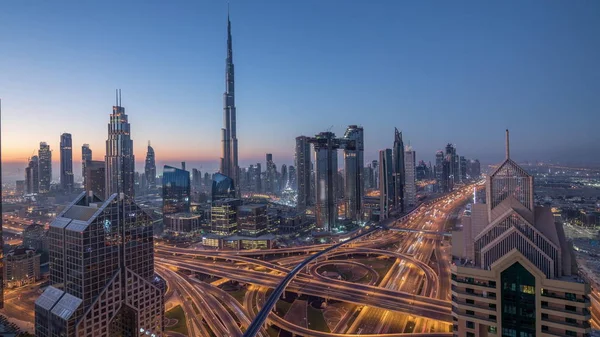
(386, 183)
(101, 272)
(183, 223)
(32, 181)
(514, 273)
(354, 163)
(229, 159)
(252, 220)
(223, 216)
(326, 165)
(303, 168)
(95, 177)
(86, 155)
(21, 267)
(45, 167)
(35, 236)
(399, 174)
(410, 183)
(119, 159)
(66, 162)
(150, 168)
(176, 190)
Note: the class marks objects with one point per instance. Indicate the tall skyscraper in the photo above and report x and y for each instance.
(32, 180)
(516, 275)
(270, 181)
(375, 166)
(120, 161)
(354, 163)
(399, 171)
(102, 280)
(302, 163)
(86, 155)
(292, 178)
(410, 186)
(66, 162)
(196, 180)
(45, 167)
(283, 179)
(95, 178)
(326, 146)
(386, 183)
(176, 190)
(229, 160)
(463, 168)
(150, 168)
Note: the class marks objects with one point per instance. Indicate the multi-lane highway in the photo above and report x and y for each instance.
(410, 297)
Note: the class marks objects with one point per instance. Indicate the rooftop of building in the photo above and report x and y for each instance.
(184, 215)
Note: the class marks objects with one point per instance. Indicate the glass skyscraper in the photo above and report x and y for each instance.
(386, 183)
(120, 161)
(102, 280)
(176, 190)
(354, 171)
(222, 187)
(66, 162)
(45, 167)
(326, 146)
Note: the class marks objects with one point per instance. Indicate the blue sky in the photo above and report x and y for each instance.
(457, 72)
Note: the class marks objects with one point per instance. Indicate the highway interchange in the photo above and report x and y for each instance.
(409, 297)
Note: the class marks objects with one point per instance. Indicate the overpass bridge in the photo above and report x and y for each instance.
(412, 230)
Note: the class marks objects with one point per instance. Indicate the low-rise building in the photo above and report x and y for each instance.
(183, 223)
(21, 267)
(35, 236)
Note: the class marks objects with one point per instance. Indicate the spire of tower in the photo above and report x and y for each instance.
(507, 146)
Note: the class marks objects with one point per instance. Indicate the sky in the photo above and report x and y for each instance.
(458, 72)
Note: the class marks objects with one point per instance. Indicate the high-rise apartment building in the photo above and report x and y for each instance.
(45, 167)
(86, 155)
(303, 170)
(176, 190)
(32, 181)
(95, 178)
(66, 162)
(410, 184)
(101, 272)
(354, 163)
(229, 160)
(516, 274)
(386, 183)
(399, 171)
(150, 168)
(326, 146)
(120, 161)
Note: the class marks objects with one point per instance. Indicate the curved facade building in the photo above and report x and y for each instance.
(222, 187)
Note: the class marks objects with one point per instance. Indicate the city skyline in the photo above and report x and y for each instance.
(563, 99)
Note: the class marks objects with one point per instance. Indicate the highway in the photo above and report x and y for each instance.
(411, 297)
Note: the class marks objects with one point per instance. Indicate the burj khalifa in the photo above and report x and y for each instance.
(229, 159)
